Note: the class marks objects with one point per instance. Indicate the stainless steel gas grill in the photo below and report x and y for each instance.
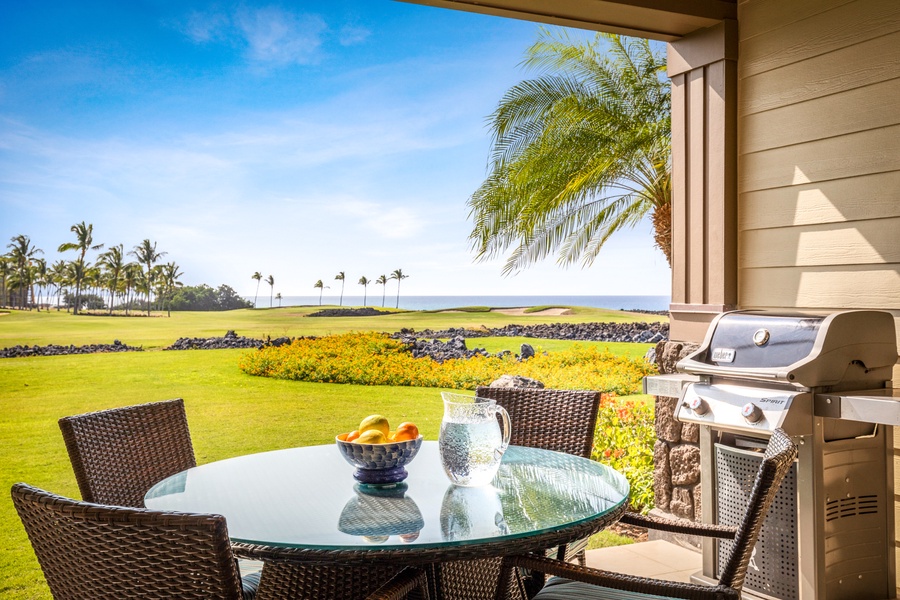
(830, 533)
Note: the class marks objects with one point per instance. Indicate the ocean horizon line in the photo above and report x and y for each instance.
(439, 302)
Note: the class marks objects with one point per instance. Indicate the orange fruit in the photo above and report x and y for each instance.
(372, 436)
(352, 435)
(406, 431)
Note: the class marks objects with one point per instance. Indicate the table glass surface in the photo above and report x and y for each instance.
(307, 498)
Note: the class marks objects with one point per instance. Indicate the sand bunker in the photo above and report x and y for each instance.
(518, 312)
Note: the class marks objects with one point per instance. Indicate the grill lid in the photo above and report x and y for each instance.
(801, 349)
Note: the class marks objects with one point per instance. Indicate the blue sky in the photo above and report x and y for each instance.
(297, 139)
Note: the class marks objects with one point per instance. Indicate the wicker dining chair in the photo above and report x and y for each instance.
(559, 420)
(287, 581)
(120, 453)
(583, 583)
(89, 550)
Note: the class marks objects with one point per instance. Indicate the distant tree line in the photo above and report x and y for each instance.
(203, 297)
(109, 283)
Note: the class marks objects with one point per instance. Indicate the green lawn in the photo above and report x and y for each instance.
(229, 413)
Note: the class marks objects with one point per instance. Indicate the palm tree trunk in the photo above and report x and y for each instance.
(661, 219)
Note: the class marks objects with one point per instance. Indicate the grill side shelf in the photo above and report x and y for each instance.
(880, 406)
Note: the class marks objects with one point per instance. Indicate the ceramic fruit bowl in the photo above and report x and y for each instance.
(378, 464)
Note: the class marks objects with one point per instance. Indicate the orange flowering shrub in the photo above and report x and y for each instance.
(624, 439)
(376, 359)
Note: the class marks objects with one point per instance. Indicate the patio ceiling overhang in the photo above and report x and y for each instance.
(665, 20)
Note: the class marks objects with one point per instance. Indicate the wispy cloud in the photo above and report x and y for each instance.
(351, 35)
(267, 35)
(276, 36)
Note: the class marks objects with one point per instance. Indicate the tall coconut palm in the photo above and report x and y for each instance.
(113, 260)
(84, 241)
(278, 297)
(6, 265)
(340, 277)
(321, 287)
(59, 276)
(364, 281)
(146, 255)
(398, 275)
(22, 253)
(258, 277)
(271, 281)
(132, 278)
(170, 275)
(580, 152)
(41, 280)
(382, 280)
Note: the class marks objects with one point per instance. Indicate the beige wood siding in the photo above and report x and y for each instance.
(819, 158)
(819, 154)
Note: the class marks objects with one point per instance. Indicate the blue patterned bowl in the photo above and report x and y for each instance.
(378, 464)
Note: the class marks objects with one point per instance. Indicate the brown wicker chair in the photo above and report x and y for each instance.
(287, 581)
(109, 552)
(119, 454)
(559, 420)
(93, 551)
(593, 584)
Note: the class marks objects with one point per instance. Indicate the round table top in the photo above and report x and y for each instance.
(304, 503)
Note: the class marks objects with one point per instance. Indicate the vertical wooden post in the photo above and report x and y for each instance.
(703, 69)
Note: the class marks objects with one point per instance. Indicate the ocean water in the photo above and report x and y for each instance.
(448, 302)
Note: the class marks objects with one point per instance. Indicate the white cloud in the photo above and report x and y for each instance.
(205, 27)
(276, 36)
(351, 35)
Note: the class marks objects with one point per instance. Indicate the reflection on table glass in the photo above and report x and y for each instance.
(307, 498)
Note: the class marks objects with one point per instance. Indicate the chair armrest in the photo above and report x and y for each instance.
(703, 529)
(619, 581)
(401, 585)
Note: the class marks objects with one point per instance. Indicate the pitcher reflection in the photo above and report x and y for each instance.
(472, 513)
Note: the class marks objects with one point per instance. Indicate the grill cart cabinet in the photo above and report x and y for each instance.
(830, 533)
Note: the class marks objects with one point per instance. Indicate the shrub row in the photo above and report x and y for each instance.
(376, 359)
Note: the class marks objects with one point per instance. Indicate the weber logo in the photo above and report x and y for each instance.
(723, 355)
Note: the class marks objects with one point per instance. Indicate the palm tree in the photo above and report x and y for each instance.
(364, 281)
(41, 279)
(278, 297)
(146, 254)
(321, 286)
(170, 275)
(22, 253)
(113, 260)
(84, 236)
(132, 282)
(271, 281)
(382, 280)
(6, 265)
(398, 275)
(59, 276)
(258, 277)
(579, 153)
(340, 277)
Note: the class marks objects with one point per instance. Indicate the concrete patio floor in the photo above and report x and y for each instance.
(657, 558)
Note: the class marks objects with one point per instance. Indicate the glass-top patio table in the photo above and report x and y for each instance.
(302, 505)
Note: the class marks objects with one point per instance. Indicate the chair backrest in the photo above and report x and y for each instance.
(560, 420)
(92, 551)
(777, 460)
(119, 454)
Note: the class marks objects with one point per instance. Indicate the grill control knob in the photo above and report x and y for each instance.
(752, 413)
(698, 405)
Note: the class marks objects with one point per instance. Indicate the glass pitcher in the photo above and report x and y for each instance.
(471, 441)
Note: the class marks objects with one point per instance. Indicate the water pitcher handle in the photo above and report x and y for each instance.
(507, 431)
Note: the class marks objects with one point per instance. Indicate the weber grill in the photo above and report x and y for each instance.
(825, 380)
